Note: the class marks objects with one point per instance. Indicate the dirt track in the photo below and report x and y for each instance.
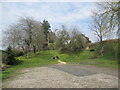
(65, 76)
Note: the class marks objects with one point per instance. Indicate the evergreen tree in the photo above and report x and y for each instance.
(46, 28)
(10, 56)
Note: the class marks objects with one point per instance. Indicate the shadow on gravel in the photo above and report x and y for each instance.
(75, 70)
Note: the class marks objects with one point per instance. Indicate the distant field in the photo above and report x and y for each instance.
(44, 58)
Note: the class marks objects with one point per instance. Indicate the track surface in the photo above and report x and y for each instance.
(65, 76)
(85, 70)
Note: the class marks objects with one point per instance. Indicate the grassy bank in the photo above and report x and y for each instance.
(40, 59)
(44, 58)
(89, 58)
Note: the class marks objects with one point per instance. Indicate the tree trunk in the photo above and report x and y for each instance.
(101, 51)
(27, 52)
(23, 49)
(34, 49)
(101, 41)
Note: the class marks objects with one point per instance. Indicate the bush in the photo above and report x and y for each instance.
(92, 50)
(9, 57)
(4, 57)
(18, 53)
(110, 50)
(51, 46)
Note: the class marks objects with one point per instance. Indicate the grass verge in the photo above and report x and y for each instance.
(40, 59)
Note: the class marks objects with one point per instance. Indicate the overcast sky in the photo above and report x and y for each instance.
(57, 13)
(61, 13)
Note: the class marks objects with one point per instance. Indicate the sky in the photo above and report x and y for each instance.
(57, 13)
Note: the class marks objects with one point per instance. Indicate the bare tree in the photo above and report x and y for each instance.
(111, 10)
(63, 37)
(12, 36)
(74, 41)
(27, 35)
(27, 25)
(52, 37)
(99, 26)
(38, 38)
(78, 41)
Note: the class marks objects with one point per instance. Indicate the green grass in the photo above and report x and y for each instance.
(76, 58)
(85, 58)
(101, 61)
(44, 58)
(40, 59)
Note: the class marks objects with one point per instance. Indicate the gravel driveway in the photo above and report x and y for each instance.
(65, 76)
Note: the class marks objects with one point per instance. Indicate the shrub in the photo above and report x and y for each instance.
(51, 46)
(18, 53)
(10, 57)
(4, 57)
(110, 50)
